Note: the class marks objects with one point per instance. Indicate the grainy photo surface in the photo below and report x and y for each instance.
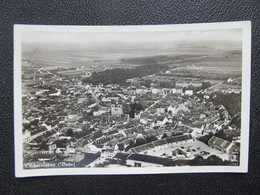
(131, 99)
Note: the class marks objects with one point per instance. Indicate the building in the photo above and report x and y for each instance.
(177, 91)
(62, 147)
(159, 144)
(188, 92)
(220, 144)
(47, 148)
(26, 136)
(188, 84)
(180, 139)
(166, 91)
(121, 156)
(156, 91)
(107, 153)
(116, 109)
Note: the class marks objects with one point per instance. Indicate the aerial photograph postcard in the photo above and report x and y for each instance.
(141, 99)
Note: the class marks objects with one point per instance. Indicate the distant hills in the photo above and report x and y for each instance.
(117, 55)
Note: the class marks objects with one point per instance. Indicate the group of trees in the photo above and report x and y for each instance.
(167, 84)
(34, 123)
(119, 75)
(231, 101)
(211, 160)
(132, 109)
(147, 83)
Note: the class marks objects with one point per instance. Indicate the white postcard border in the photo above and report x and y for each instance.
(245, 103)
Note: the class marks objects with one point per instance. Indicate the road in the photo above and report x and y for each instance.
(152, 105)
(93, 95)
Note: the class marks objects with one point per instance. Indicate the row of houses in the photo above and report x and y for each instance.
(223, 145)
(140, 160)
(163, 143)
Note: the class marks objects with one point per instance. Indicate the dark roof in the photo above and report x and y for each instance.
(107, 150)
(99, 145)
(127, 142)
(159, 142)
(88, 139)
(143, 147)
(122, 156)
(151, 159)
(43, 128)
(45, 156)
(219, 142)
(121, 144)
(35, 141)
(43, 147)
(120, 118)
(178, 138)
(62, 143)
(82, 134)
(112, 132)
(98, 134)
(151, 131)
(89, 158)
(102, 140)
(235, 148)
(73, 139)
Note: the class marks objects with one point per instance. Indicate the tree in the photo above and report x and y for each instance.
(232, 102)
(214, 160)
(140, 141)
(205, 85)
(147, 83)
(135, 108)
(121, 147)
(69, 132)
(132, 144)
(34, 122)
(164, 136)
(223, 135)
(119, 75)
(198, 160)
(151, 139)
(126, 108)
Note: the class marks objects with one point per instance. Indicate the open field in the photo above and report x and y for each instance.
(102, 57)
(196, 148)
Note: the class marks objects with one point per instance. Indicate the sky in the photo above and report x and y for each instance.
(92, 38)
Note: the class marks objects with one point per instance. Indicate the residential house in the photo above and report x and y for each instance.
(26, 136)
(62, 147)
(188, 92)
(220, 144)
(180, 139)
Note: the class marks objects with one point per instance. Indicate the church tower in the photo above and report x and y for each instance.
(116, 109)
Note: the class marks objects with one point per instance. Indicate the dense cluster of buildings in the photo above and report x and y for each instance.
(65, 120)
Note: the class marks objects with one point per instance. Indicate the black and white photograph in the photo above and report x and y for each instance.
(141, 99)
